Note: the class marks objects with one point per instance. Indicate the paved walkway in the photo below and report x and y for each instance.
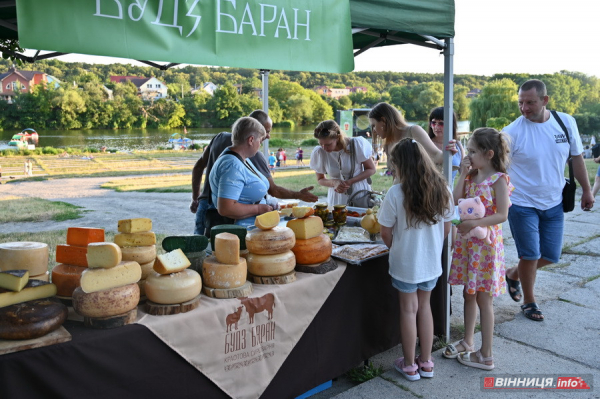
(567, 343)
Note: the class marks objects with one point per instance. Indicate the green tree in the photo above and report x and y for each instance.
(226, 105)
(498, 98)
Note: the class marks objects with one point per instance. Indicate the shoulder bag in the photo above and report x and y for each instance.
(361, 198)
(568, 194)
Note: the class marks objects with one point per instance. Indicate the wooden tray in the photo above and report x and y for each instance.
(158, 309)
(227, 293)
(283, 279)
(55, 337)
(318, 268)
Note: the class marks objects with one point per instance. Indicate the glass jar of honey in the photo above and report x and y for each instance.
(339, 214)
(322, 211)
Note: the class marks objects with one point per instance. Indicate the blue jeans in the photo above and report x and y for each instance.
(201, 216)
(409, 288)
(537, 234)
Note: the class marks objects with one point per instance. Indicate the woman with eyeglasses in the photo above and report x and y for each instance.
(436, 133)
(388, 124)
(346, 161)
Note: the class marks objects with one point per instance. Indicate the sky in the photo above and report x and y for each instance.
(505, 36)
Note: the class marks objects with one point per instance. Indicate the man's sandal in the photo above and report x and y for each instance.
(514, 289)
(452, 353)
(465, 358)
(404, 370)
(428, 364)
(531, 309)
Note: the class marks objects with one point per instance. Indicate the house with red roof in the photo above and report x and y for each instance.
(14, 81)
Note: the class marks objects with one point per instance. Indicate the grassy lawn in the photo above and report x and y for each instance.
(36, 210)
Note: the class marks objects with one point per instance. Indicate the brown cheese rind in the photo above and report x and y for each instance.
(32, 319)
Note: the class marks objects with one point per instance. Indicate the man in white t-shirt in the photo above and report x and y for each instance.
(539, 152)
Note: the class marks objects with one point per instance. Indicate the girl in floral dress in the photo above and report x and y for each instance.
(475, 264)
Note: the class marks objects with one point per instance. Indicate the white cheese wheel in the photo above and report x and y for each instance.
(227, 248)
(103, 254)
(124, 273)
(171, 262)
(220, 275)
(24, 255)
(144, 254)
(169, 289)
(269, 242)
(147, 269)
(271, 265)
(106, 303)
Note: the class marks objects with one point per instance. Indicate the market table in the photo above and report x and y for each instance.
(358, 320)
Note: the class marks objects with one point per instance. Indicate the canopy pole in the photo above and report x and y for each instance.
(265, 101)
(448, 133)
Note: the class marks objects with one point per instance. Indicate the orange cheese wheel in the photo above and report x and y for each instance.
(222, 275)
(66, 278)
(314, 250)
(271, 265)
(24, 255)
(269, 242)
(106, 303)
(71, 255)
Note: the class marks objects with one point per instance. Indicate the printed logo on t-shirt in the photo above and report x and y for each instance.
(560, 138)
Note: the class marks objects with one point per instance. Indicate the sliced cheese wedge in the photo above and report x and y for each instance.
(14, 280)
(34, 289)
(124, 273)
(171, 262)
(104, 255)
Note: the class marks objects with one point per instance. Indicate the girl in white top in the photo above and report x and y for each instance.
(415, 218)
(333, 158)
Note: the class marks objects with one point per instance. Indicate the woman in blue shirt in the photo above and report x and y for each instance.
(238, 189)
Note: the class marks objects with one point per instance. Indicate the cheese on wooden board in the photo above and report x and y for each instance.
(124, 273)
(105, 303)
(34, 289)
(135, 239)
(134, 225)
(227, 248)
(32, 319)
(171, 262)
(268, 242)
(302, 211)
(42, 277)
(239, 231)
(147, 269)
(82, 236)
(14, 280)
(32, 256)
(267, 220)
(216, 274)
(168, 289)
(271, 265)
(312, 251)
(104, 255)
(144, 254)
(66, 278)
(306, 228)
(71, 255)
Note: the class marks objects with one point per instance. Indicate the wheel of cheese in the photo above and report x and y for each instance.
(222, 275)
(124, 273)
(106, 303)
(147, 269)
(312, 251)
(24, 255)
(169, 289)
(42, 277)
(144, 254)
(66, 278)
(271, 265)
(32, 319)
(269, 242)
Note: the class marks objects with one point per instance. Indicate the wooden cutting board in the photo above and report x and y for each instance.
(318, 268)
(283, 279)
(158, 309)
(55, 337)
(227, 293)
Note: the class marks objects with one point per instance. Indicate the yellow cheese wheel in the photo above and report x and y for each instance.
(220, 275)
(169, 289)
(106, 303)
(271, 265)
(24, 255)
(269, 242)
(134, 225)
(306, 228)
(267, 220)
(124, 273)
(227, 248)
(135, 239)
(103, 254)
(143, 254)
(314, 250)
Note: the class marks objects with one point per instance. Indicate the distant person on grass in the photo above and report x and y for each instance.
(272, 162)
(539, 151)
(218, 144)
(299, 156)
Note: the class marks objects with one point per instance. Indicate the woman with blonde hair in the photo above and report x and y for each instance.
(388, 124)
(347, 162)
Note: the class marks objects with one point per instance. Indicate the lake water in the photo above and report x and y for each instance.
(147, 139)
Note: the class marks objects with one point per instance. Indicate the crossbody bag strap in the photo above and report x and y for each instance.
(564, 128)
(246, 164)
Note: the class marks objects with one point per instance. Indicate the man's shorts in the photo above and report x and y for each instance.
(537, 234)
(409, 288)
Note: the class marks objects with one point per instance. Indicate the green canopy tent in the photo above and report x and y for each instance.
(374, 23)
